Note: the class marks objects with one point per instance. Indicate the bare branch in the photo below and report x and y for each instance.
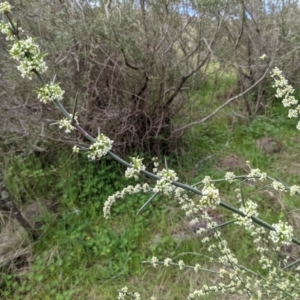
(223, 105)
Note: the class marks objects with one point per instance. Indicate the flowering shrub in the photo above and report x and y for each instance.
(270, 282)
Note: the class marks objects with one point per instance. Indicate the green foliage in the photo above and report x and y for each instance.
(77, 245)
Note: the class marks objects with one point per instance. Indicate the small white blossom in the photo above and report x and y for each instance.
(294, 189)
(167, 262)
(263, 57)
(205, 240)
(6, 29)
(100, 148)
(256, 173)
(76, 149)
(278, 186)
(293, 113)
(29, 56)
(210, 196)
(206, 180)
(66, 123)
(250, 209)
(180, 264)
(229, 176)
(122, 293)
(154, 261)
(197, 268)
(5, 7)
(289, 100)
(145, 188)
(164, 184)
(137, 296)
(285, 91)
(50, 92)
(282, 234)
(137, 166)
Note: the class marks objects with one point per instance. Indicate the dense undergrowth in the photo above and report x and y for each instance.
(80, 255)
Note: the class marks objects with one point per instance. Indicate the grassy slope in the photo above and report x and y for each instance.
(80, 255)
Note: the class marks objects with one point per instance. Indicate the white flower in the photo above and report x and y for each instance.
(137, 166)
(263, 57)
(250, 209)
(289, 100)
(5, 7)
(197, 268)
(165, 183)
(180, 264)
(76, 149)
(145, 188)
(206, 180)
(293, 113)
(256, 173)
(278, 186)
(50, 92)
(122, 293)
(137, 296)
(66, 123)
(100, 148)
(154, 261)
(167, 262)
(229, 176)
(210, 196)
(294, 189)
(282, 234)
(30, 57)
(6, 29)
(26, 67)
(285, 91)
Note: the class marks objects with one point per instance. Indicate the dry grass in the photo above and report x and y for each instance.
(15, 248)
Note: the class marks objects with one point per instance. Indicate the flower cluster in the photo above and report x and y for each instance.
(167, 262)
(154, 261)
(255, 173)
(66, 123)
(210, 194)
(5, 7)
(164, 184)
(30, 57)
(100, 148)
(145, 188)
(263, 57)
(50, 92)
(285, 91)
(156, 164)
(278, 186)
(229, 176)
(294, 189)
(283, 233)
(137, 166)
(76, 149)
(123, 292)
(249, 210)
(6, 29)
